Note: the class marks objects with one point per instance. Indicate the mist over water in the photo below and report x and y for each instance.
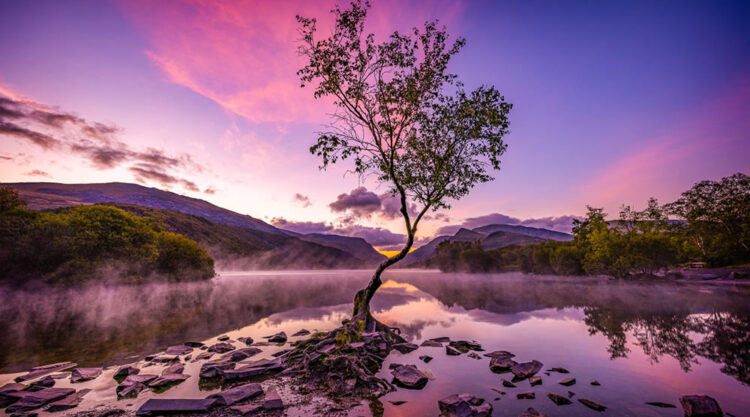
(638, 339)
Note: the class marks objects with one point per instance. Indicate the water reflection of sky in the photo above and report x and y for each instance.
(642, 342)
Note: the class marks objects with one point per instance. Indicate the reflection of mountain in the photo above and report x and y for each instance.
(494, 236)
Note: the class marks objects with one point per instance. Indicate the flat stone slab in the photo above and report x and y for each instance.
(431, 343)
(165, 359)
(237, 394)
(559, 370)
(567, 382)
(125, 370)
(29, 400)
(535, 380)
(499, 353)
(592, 405)
(12, 387)
(71, 401)
(221, 347)
(175, 368)
(507, 383)
(425, 358)
(38, 371)
(214, 369)
(526, 369)
(179, 350)
(531, 412)
(158, 406)
(130, 391)
(464, 345)
(660, 404)
(241, 354)
(272, 400)
(558, 399)
(464, 405)
(84, 374)
(167, 380)
(501, 364)
(408, 376)
(45, 382)
(252, 370)
(247, 409)
(700, 406)
(405, 347)
(451, 351)
(530, 395)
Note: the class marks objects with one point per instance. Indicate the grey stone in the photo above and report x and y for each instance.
(126, 370)
(530, 395)
(241, 354)
(559, 370)
(221, 347)
(451, 351)
(501, 364)
(558, 399)
(567, 382)
(38, 371)
(464, 405)
(526, 369)
(592, 405)
(252, 370)
(405, 347)
(531, 412)
(194, 344)
(272, 400)
(443, 339)
(130, 390)
(158, 406)
(535, 380)
(84, 374)
(179, 350)
(464, 345)
(68, 402)
(277, 338)
(247, 409)
(222, 338)
(508, 384)
(214, 369)
(431, 343)
(45, 382)
(175, 368)
(30, 400)
(408, 376)
(237, 394)
(425, 358)
(303, 332)
(499, 353)
(167, 380)
(700, 406)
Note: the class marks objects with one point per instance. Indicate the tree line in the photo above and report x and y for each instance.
(75, 244)
(709, 223)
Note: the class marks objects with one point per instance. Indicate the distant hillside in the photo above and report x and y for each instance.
(233, 239)
(493, 236)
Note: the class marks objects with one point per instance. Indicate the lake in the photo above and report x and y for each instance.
(642, 341)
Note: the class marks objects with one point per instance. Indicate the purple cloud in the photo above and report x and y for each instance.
(359, 202)
(302, 200)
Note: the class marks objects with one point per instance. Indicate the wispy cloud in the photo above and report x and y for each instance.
(302, 200)
(37, 173)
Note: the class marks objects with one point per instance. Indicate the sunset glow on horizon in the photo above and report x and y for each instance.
(612, 104)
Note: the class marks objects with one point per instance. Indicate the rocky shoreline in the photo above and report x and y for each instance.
(261, 387)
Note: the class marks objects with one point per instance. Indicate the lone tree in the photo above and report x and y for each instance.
(402, 117)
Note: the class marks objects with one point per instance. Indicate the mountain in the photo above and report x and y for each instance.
(494, 236)
(233, 239)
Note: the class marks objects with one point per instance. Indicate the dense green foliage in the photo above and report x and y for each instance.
(79, 243)
(712, 225)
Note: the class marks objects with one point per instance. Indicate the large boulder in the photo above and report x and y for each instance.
(700, 406)
(159, 406)
(237, 394)
(526, 369)
(408, 376)
(464, 405)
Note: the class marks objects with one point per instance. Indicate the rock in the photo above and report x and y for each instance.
(241, 354)
(202, 356)
(473, 355)
(246, 340)
(508, 384)
(571, 394)
(12, 387)
(237, 394)
(431, 343)
(214, 369)
(395, 365)
(501, 364)
(464, 405)
(558, 399)
(535, 380)
(425, 358)
(595, 383)
(194, 344)
(592, 405)
(158, 406)
(283, 353)
(167, 380)
(45, 382)
(405, 347)
(700, 406)
(464, 346)
(356, 345)
(130, 391)
(247, 409)
(277, 338)
(179, 350)
(451, 351)
(408, 376)
(559, 370)
(530, 395)
(30, 400)
(125, 370)
(258, 368)
(272, 400)
(133, 384)
(85, 374)
(303, 332)
(222, 338)
(567, 382)
(661, 404)
(499, 353)
(531, 412)
(526, 369)
(38, 371)
(397, 403)
(221, 347)
(68, 402)
(175, 368)
(442, 339)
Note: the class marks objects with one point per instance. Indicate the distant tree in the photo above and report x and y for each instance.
(9, 199)
(718, 218)
(401, 117)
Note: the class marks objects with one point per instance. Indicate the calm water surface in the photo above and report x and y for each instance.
(642, 341)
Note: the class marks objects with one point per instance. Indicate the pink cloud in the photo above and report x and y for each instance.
(692, 150)
(242, 54)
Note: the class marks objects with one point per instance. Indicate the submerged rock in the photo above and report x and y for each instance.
(442, 339)
(167, 380)
(700, 406)
(425, 358)
(408, 376)
(526, 369)
(567, 382)
(277, 338)
(595, 383)
(84, 374)
(158, 406)
(464, 405)
(237, 394)
(558, 399)
(303, 332)
(272, 400)
(535, 380)
(592, 405)
(241, 354)
(194, 344)
(501, 364)
(473, 355)
(431, 343)
(559, 370)
(133, 384)
(529, 395)
(499, 353)
(179, 350)
(246, 340)
(508, 384)
(451, 351)
(68, 402)
(661, 404)
(405, 347)
(221, 347)
(165, 359)
(203, 356)
(531, 412)
(465, 346)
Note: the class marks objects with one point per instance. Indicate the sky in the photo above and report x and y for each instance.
(613, 103)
